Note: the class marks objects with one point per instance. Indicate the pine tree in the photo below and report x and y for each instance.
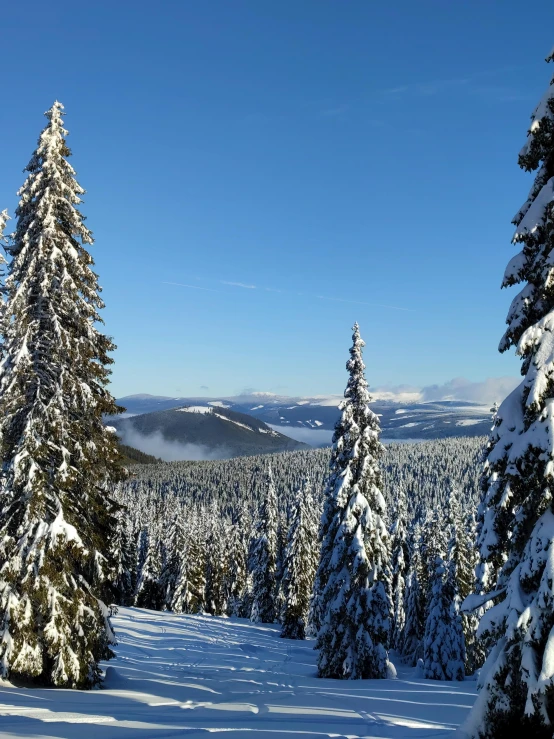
(299, 565)
(175, 549)
(150, 593)
(264, 557)
(216, 566)
(353, 569)
(400, 564)
(283, 527)
(444, 648)
(124, 556)
(516, 518)
(57, 457)
(188, 596)
(411, 646)
(237, 566)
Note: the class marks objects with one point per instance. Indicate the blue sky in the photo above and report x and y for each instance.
(299, 166)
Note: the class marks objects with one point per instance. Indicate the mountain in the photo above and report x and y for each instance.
(195, 431)
(312, 419)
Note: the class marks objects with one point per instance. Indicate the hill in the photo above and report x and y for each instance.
(135, 456)
(215, 432)
(312, 419)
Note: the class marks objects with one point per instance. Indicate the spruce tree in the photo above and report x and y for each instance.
(150, 591)
(188, 596)
(216, 566)
(516, 517)
(400, 565)
(299, 565)
(237, 565)
(411, 646)
(174, 553)
(353, 570)
(444, 647)
(264, 557)
(57, 457)
(124, 557)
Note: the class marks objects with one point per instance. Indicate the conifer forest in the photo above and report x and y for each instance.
(366, 588)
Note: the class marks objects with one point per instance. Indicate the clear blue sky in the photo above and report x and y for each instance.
(355, 150)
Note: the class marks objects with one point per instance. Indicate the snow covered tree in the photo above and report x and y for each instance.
(264, 557)
(124, 556)
(237, 566)
(354, 564)
(57, 456)
(216, 566)
(188, 596)
(174, 554)
(516, 517)
(411, 644)
(300, 563)
(444, 647)
(150, 593)
(400, 563)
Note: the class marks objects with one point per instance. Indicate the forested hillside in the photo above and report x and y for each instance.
(188, 531)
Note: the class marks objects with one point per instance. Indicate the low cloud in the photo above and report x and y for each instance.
(170, 451)
(488, 391)
(313, 437)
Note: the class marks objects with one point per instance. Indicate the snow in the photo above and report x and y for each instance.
(195, 409)
(468, 421)
(196, 676)
(531, 220)
(410, 425)
(220, 404)
(230, 420)
(256, 407)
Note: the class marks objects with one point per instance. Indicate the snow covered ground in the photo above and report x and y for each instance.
(191, 676)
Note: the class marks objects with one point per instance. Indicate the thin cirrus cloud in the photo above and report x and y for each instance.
(238, 284)
(274, 290)
(193, 287)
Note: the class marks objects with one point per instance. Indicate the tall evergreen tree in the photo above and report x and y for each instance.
(300, 563)
(188, 596)
(264, 557)
(444, 647)
(175, 551)
(400, 565)
(411, 646)
(237, 566)
(354, 564)
(150, 591)
(216, 566)
(57, 456)
(124, 556)
(516, 517)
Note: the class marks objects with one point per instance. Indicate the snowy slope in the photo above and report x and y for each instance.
(195, 676)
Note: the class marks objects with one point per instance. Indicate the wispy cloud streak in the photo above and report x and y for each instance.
(194, 287)
(285, 293)
(238, 284)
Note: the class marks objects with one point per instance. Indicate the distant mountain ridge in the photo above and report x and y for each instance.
(219, 431)
(295, 416)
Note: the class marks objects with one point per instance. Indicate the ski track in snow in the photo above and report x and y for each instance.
(196, 676)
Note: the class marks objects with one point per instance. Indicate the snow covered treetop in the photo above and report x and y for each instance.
(535, 154)
(357, 386)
